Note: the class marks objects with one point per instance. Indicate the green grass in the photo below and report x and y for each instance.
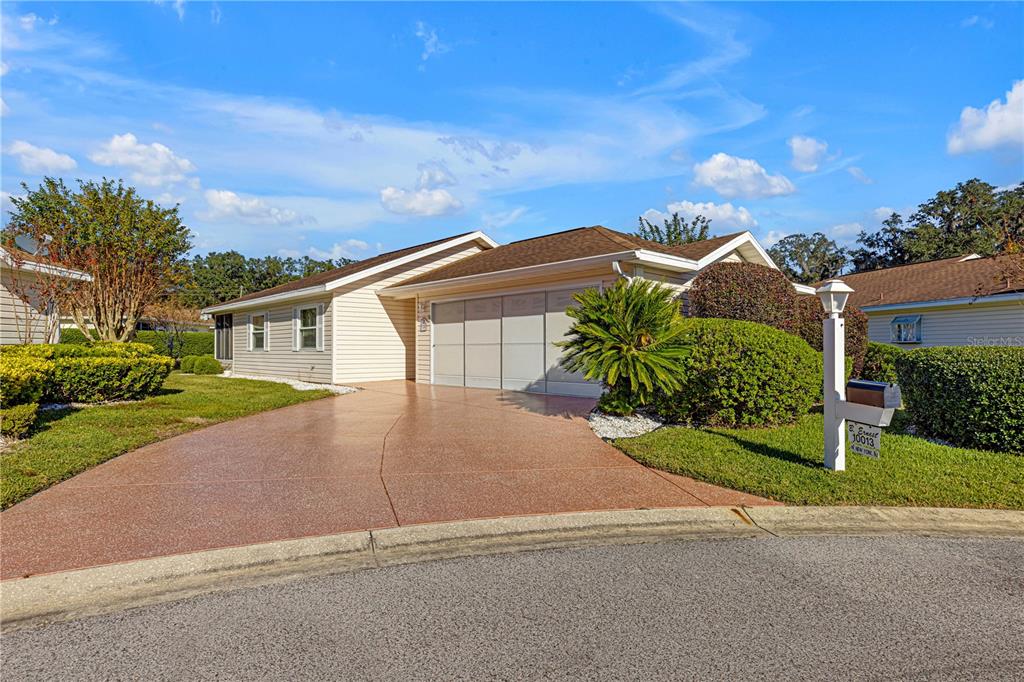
(785, 464)
(67, 442)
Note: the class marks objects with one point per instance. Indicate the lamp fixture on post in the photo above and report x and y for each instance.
(834, 294)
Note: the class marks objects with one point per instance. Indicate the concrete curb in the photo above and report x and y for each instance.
(103, 589)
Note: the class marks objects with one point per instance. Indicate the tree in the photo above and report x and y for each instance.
(675, 230)
(808, 258)
(885, 249)
(174, 321)
(132, 247)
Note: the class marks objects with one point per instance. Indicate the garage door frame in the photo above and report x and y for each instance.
(553, 286)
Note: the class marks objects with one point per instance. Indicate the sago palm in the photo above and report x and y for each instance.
(630, 337)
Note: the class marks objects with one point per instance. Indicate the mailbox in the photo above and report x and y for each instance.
(874, 393)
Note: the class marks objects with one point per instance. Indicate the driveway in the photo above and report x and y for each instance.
(395, 453)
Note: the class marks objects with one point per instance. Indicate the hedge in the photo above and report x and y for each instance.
(93, 349)
(207, 364)
(187, 363)
(16, 421)
(968, 395)
(880, 362)
(743, 374)
(191, 343)
(22, 378)
(807, 325)
(744, 291)
(93, 380)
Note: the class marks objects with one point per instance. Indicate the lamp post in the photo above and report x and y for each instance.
(833, 294)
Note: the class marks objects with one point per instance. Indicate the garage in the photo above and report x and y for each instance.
(506, 342)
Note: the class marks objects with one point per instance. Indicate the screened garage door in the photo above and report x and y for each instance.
(506, 342)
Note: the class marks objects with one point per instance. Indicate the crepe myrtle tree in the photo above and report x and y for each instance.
(629, 337)
(132, 247)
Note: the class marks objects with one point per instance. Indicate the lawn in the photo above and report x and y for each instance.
(785, 464)
(67, 442)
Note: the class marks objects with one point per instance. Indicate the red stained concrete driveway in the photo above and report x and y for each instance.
(395, 453)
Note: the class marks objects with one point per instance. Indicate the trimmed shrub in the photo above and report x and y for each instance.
(188, 363)
(97, 379)
(880, 362)
(191, 343)
(95, 349)
(23, 378)
(207, 364)
(807, 325)
(744, 291)
(743, 374)
(968, 395)
(16, 421)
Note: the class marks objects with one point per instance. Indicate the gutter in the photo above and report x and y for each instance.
(994, 299)
(273, 298)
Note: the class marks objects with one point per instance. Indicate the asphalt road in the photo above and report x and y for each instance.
(837, 608)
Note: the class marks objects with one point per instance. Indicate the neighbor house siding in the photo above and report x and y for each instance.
(19, 320)
(602, 275)
(375, 336)
(976, 324)
(279, 359)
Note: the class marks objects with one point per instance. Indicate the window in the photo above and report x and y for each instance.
(258, 332)
(906, 329)
(307, 328)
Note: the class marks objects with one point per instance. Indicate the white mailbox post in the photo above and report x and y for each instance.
(833, 295)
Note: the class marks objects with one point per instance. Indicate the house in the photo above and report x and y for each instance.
(962, 301)
(460, 311)
(27, 284)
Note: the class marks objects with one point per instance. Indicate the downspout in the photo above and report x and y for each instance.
(617, 267)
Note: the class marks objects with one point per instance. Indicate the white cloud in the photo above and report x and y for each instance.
(882, 212)
(4, 109)
(4, 68)
(1000, 123)
(807, 153)
(225, 205)
(975, 20)
(772, 238)
(500, 219)
(845, 233)
(168, 200)
(350, 248)
(431, 43)
(732, 176)
(33, 159)
(152, 164)
(422, 202)
(434, 174)
(721, 215)
(859, 175)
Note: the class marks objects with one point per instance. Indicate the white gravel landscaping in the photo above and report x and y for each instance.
(610, 427)
(297, 385)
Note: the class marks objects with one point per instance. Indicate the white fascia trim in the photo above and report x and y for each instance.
(437, 248)
(405, 291)
(804, 289)
(732, 245)
(665, 260)
(273, 298)
(46, 268)
(966, 300)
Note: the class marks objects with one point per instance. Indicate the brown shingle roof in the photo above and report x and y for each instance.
(338, 273)
(934, 281)
(581, 242)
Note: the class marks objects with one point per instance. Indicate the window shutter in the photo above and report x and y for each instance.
(320, 326)
(295, 328)
(248, 332)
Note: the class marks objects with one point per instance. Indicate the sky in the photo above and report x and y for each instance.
(343, 130)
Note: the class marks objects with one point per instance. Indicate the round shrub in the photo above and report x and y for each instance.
(743, 374)
(207, 364)
(968, 395)
(16, 421)
(806, 323)
(188, 363)
(95, 349)
(880, 362)
(744, 291)
(98, 379)
(23, 379)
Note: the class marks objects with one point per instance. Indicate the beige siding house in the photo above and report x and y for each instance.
(963, 301)
(27, 315)
(459, 311)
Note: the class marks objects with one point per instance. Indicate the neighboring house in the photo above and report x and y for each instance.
(960, 301)
(458, 311)
(26, 316)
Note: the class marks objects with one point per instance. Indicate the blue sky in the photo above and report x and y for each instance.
(337, 129)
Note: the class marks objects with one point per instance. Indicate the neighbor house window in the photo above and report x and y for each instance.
(308, 327)
(906, 329)
(258, 332)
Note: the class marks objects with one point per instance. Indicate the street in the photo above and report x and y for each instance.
(797, 608)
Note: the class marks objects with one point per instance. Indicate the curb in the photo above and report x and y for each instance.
(104, 589)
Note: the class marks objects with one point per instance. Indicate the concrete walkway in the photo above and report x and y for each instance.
(393, 454)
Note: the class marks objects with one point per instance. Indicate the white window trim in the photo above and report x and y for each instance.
(266, 332)
(905, 320)
(297, 328)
